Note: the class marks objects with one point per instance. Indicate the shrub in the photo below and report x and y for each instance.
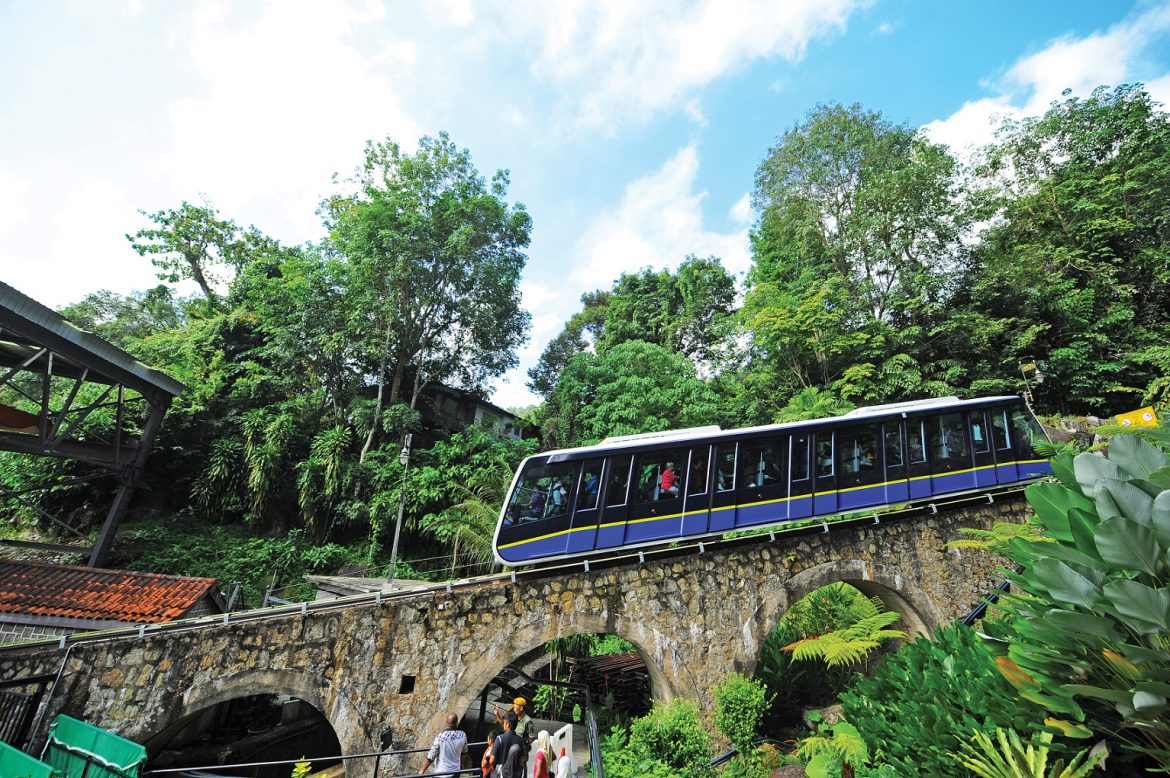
(739, 707)
(926, 699)
(674, 733)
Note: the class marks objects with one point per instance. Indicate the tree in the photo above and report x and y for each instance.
(633, 387)
(430, 255)
(859, 224)
(1075, 268)
(193, 243)
(686, 312)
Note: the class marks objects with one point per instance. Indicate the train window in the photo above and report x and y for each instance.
(590, 485)
(697, 482)
(858, 451)
(659, 474)
(799, 457)
(916, 440)
(948, 437)
(824, 454)
(542, 492)
(725, 476)
(999, 430)
(1027, 430)
(979, 431)
(759, 464)
(893, 445)
(619, 480)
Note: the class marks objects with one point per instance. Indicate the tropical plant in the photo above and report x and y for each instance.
(837, 747)
(673, 732)
(1009, 757)
(1090, 633)
(850, 645)
(925, 699)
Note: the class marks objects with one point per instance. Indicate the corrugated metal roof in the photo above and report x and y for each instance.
(71, 592)
(88, 349)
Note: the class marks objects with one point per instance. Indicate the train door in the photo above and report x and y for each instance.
(800, 476)
(615, 502)
(859, 468)
(981, 447)
(697, 507)
(917, 468)
(950, 453)
(587, 511)
(1001, 441)
(763, 481)
(1027, 433)
(656, 495)
(897, 485)
(824, 474)
(723, 486)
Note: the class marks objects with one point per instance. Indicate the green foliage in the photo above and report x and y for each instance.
(928, 697)
(833, 747)
(673, 733)
(1009, 757)
(1088, 638)
(739, 708)
(302, 769)
(852, 644)
(623, 760)
(612, 644)
(792, 684)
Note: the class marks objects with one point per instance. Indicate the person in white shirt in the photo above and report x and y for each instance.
(448, 752)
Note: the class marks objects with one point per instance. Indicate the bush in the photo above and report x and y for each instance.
(673, 733)
(926, 699)
(739, 707)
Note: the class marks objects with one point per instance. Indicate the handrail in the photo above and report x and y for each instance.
(727, 756)
(594, 741)
(342, 757)
(697, 545)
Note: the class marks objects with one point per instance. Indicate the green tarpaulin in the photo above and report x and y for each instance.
(73, 745)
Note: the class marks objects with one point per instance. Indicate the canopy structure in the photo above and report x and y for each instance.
(53, 378)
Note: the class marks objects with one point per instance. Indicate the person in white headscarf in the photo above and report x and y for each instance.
(565, 766)
(542, 763)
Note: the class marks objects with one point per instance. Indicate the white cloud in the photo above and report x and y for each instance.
(885, 28)
(284, 101)
(741, 212)
(1029, 86)
(619, 60)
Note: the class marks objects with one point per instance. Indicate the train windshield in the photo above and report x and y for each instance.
(541, 492)
(1027, 430)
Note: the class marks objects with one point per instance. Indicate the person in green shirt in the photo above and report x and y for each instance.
(524, 726)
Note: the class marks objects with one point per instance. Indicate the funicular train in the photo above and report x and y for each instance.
(641, 490)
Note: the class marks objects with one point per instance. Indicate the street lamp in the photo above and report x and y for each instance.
(404, 458)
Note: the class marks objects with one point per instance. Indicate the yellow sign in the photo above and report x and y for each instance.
(1142, 417)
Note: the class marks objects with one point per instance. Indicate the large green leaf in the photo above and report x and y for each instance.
(1160, 518)
(1129, 545)
(1090, 468)
(1143, 608)
(1148, 702)
(1130, 500)
(1062, 468)
(1082, 523)
(1052, 503)
(1137, 457)
(1086, 626)
(1065, 585)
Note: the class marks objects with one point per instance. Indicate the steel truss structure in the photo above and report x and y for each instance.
(53, 378)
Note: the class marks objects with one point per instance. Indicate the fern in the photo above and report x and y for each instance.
(854, 643)
(1008, 757)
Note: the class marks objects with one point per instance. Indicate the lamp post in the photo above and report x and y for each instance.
(404, 458)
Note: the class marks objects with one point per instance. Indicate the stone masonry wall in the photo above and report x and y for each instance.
(693, 618)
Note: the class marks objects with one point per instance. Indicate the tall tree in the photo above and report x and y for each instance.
(1075, 268)
(859, 224)
(431, 255)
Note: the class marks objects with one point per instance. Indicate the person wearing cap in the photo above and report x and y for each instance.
(524, 726)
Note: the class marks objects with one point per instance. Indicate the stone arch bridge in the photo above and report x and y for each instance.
(693, 615)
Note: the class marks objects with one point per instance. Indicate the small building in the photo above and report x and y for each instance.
(456, 409)
(39, 600)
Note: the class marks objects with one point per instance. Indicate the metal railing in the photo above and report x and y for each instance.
(19, 702)
(375, 755)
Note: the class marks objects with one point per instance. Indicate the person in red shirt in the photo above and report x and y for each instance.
(669, 485)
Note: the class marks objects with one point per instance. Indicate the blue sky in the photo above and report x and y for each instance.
(631, 129)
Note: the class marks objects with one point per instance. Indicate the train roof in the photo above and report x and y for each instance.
(715, 432)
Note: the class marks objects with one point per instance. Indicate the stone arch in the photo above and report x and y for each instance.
(537, 629)
(341, 713)
(896, 591)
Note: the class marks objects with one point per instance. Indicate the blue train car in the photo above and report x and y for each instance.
(640, 490)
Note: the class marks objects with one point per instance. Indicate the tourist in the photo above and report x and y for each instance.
(542, 763)
(524, 726)
(485, 764)
(448, 752)
(507, 755)
(669, 485)
(565, 766)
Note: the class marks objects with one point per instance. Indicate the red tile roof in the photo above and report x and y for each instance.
(71, 592)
